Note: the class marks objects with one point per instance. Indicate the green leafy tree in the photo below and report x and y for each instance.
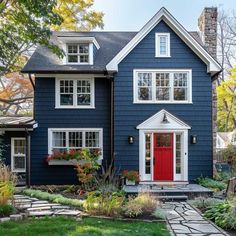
(77, 15)
(24, 24)
(226, 94)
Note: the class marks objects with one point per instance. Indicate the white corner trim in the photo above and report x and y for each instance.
(212, 65)
(157, 44)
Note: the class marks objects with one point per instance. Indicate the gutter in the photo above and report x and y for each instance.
(215, 76)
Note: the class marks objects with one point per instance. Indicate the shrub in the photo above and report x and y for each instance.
(160, 213)
(143, 204)
(223, 214)
(6, 210)
(56, 198)
(204, 203)
(229, 155)
(104, 204)
(7, 184)
(211, 183)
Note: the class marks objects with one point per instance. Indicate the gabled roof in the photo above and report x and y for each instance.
(212, 65)
(44, 61)
(156, 122)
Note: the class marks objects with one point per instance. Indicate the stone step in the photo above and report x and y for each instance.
(40, 213)
(45, 204)
(172, 197)
(38, 208)
(67, 212)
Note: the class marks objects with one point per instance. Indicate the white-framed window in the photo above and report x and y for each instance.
(66, 139)
(75, 93)
(162, 44)
(162, 86)
(18, 155)
(78, 53)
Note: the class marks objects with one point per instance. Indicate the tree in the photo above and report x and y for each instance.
(77, 15)
(16, 94)
(226, 57)
(27, 23)
(226, 94)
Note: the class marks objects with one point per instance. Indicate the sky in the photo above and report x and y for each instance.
(131, 15)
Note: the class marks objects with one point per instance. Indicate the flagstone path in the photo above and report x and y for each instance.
(185, 221)
(36, 207)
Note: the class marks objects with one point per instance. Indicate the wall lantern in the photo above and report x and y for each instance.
(165, 120)
(194, 139)
(130, 139)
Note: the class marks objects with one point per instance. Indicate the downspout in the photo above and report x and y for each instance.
(33, 85)
(28, 154)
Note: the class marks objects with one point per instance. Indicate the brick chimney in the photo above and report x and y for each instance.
(207, 23)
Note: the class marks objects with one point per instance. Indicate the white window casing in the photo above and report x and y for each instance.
(171, 86)
(162, 41)
(18, 151)
(83, 131)
(77, 80)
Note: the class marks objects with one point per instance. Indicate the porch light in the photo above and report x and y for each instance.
(165, 120)
(130, 139)
(194, 139)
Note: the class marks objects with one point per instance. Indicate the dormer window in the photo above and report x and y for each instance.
(162, 45)
(78, 53)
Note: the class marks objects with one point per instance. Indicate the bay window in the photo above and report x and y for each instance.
(162, 86)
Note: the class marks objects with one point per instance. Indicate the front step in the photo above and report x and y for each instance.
(172, 197)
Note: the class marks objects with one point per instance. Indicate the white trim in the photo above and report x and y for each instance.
(212, 65)
(74, 78)
(83, 130)
(154, 101)
(157, 44)
(79, 39)
(14, 154)
(69, 75)
(184, 156)
(153, 123)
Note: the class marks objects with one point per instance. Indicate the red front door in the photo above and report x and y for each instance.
(163, 156)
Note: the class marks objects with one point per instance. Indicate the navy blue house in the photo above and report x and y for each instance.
(144, 98)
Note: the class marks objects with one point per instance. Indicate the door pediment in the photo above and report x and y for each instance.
(163, 120)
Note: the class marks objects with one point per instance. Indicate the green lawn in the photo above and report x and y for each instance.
(59, 226)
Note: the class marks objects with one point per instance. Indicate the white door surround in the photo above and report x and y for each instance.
(163, 122)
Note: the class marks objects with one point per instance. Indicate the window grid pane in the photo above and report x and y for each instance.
(163, 45)
(163, 86)
(78, 53)
(19, 147)
(145, 86)
(180, 87)
(83, 92)
(148, 153)
(92, 139)
(59, 139)
(66, 92)
(75, 140)
(178, 154)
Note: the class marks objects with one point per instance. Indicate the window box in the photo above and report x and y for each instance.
(68, 163)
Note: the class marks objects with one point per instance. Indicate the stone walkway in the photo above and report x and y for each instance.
(185, 221)
(36, 207)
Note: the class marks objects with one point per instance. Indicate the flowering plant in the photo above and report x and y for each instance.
(78, 154)
(131, 175)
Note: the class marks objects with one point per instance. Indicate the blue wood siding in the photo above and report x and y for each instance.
(198, 115)
(48, 117)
